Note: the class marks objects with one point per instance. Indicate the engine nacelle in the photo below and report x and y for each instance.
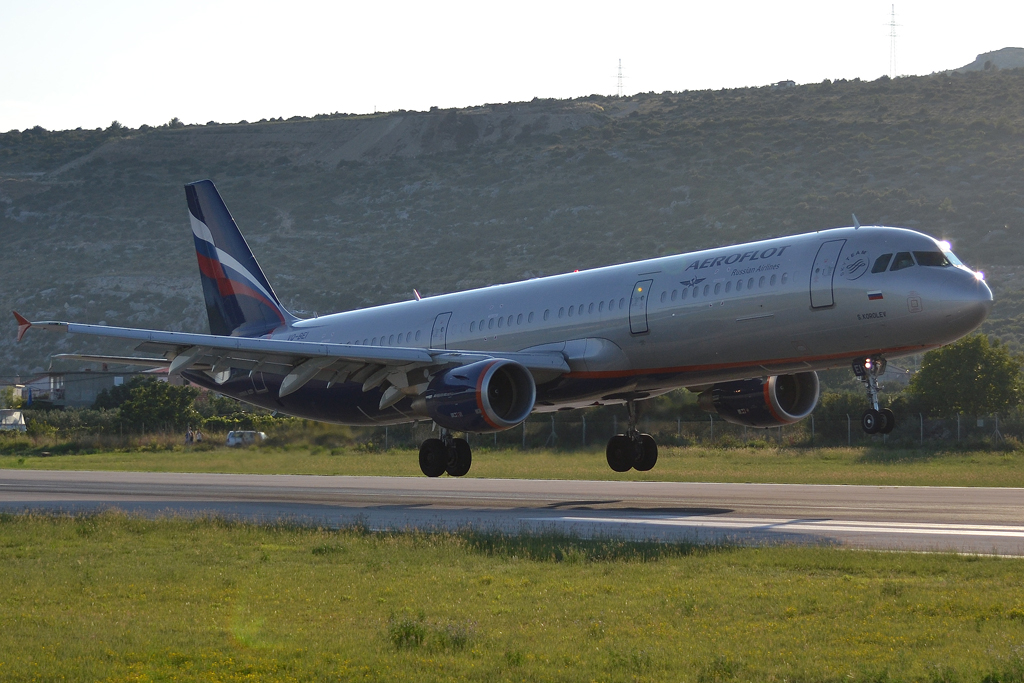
(779, 400)
(486, 396)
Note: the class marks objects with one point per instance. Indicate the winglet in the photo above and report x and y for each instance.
(23, 324)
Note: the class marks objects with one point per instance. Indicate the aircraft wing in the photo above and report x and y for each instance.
(299, 361)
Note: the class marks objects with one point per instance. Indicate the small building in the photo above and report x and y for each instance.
(781, 85)
(12, 420)
(80, 388)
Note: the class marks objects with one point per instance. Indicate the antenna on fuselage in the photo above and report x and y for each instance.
(416, 292)
(856, 223)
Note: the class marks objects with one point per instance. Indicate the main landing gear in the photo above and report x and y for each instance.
(632, 450)
(446, 454)
(873, 421)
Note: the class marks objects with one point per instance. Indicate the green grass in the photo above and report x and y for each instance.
(874, 466)
(116, 598)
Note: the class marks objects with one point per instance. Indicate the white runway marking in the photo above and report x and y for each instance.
(801, 525)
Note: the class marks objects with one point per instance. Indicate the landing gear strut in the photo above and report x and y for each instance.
(632, 450)
(446, 454)
(873, 421)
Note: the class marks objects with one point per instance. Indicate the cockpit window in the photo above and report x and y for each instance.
(881, 263)
(931, 258)
(903, 260)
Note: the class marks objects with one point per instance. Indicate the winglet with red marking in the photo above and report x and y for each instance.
(23, 324)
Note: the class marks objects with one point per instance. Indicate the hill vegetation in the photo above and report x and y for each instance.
(348, 211)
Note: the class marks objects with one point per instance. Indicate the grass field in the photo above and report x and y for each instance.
(875, 466)
(116, 598)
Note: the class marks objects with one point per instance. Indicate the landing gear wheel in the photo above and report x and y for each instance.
(871, 421)
(648, 456)
(461, 458)
(890, 421)
(433, 457)
(620, 453)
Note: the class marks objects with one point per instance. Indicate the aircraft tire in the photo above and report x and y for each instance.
(648, 457)
(433, 457)
(620, 453)
(461, 459)
(890, 421)
(871, 421)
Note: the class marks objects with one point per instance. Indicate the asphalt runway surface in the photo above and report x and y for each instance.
(943, 519)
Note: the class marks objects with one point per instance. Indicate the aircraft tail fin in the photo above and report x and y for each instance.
(239, 298)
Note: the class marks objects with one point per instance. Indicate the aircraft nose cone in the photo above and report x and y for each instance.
(968, 305)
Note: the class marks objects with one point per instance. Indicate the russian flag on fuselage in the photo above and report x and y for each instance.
(239, 298)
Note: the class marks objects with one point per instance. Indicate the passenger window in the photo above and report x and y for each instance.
(366, 342)
(547, 313)
(728, 286)
(373, 342)
(674, 293)
(490, 324)
(590, 308)
(739, 285)
(696, 291)
(718, 287)
(931, 258)
(391, 340)
(529, 319)
(418, 335)
(664, 295)
(600, 307)
(685, 294)
(571, 309)
(622, 303)
(760, 283)
(902, 260)
(561, 312)
(881, 263)
(707, 288)
(750, 283)
(579, 311)
(519, 319)
(772, 281)
(785, 278)
(500, 322)
(472, 327)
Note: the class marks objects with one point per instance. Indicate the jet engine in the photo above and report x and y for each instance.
(778, 400)
(482, 397)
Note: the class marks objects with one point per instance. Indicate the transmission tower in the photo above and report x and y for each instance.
(892, 43)
(620, 79)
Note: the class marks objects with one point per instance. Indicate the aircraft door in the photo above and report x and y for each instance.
(822, 272)
(439, 333)
(638, 307)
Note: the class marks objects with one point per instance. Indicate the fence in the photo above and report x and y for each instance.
(558, 432)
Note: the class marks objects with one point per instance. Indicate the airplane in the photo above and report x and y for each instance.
(745, 326)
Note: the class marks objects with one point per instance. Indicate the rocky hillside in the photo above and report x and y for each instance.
(349, 211)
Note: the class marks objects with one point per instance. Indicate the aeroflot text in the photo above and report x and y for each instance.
(737, 258)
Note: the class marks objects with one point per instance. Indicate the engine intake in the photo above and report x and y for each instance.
(482, 397)
(779, 400)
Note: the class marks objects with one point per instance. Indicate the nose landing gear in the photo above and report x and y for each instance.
(632, 450)
(446, 454)
(873, 421)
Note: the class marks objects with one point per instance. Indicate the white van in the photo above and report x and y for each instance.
(240, 438)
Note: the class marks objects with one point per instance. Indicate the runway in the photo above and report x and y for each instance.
(971, 520)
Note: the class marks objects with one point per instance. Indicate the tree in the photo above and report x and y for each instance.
(972, 376)
(156, 404)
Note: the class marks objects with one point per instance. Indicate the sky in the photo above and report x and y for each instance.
(85, 63)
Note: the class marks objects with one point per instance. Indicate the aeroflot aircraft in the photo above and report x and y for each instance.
(747, 326)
